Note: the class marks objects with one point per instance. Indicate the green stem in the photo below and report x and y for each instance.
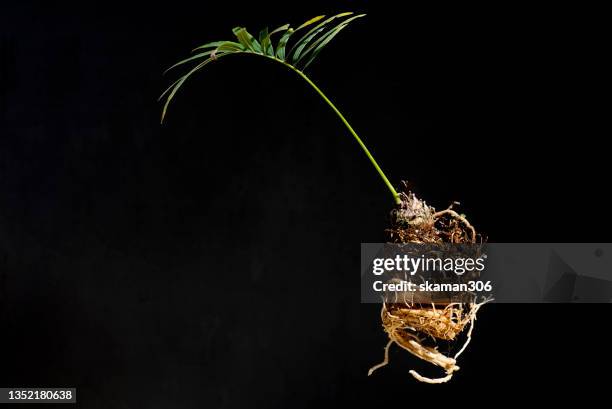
(349, 127)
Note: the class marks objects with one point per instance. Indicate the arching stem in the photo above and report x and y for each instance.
(348, 126)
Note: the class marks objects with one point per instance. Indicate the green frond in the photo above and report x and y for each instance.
(302, 53)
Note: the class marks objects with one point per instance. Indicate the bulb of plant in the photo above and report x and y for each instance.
(412, 221)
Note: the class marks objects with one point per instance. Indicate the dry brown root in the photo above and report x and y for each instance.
(405, 335)
(409, 324)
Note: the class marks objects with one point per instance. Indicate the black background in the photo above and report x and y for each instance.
(211, 261)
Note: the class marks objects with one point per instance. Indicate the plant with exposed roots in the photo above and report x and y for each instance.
(410, 324)
(413, 221)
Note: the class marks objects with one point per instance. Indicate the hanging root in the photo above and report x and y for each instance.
(384, 362)
(409, 324)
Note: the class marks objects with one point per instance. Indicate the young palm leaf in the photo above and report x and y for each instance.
(303, 51)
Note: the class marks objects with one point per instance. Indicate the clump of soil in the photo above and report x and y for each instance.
(414, 221)
(418, 327)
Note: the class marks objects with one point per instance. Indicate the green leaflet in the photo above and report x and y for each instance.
(247, 40)
(168, 89)
(230, 47)
(177, 84)
(265, 39)
(282, 43)
(186, 60)
(320, 47)
(266, 44)
(208, 45)
(279, 29)
(309, 22)
(303, 42)
(306, 38)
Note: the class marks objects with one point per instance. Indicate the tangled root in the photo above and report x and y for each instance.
(409, 324)
(406, 326)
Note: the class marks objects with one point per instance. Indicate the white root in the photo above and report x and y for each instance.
(384, 362)
(422, 378)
